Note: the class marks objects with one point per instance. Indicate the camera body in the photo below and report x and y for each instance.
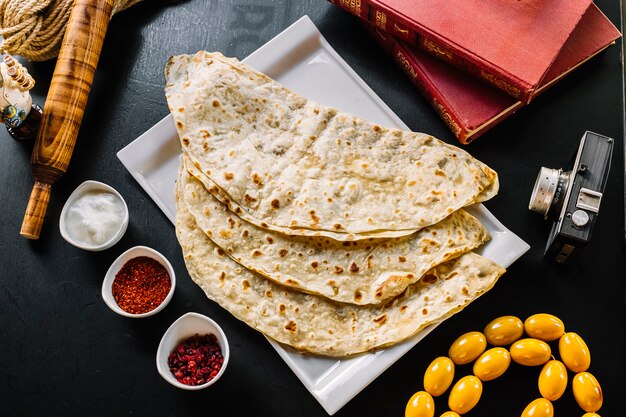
(571, 199)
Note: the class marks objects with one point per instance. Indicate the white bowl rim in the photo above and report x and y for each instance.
(107, 283)
(81, 189)
(167, 374)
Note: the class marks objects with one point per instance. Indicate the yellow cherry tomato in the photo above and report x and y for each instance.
(584, 415)
(465, 394)
(492, 364)
(544, 327)
(553, 380)
(574, 352)
(439, 375)
(451, 414)
(467, 347)
(530, 352)
(504, 330)
(421, 404)
(587, 392)
(539, 408)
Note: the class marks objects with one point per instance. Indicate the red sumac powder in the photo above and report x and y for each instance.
(196, 360)
(141, 285)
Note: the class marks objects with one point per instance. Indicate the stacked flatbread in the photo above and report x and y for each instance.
(323, 231)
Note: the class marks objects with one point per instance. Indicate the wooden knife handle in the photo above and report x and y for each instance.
(65, 104)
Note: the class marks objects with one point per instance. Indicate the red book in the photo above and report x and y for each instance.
(470, 107)
(508, 43)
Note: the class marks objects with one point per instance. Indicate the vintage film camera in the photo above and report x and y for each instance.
(571, 199)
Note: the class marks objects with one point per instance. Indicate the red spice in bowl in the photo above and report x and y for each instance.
(141, 285)
(196, 360)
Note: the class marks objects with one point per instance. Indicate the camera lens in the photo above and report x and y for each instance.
(549, 192)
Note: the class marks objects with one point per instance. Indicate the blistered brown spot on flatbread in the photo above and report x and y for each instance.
(257, 180)
(429, 278)
(451, 275)
(249, 199)
(380, 320)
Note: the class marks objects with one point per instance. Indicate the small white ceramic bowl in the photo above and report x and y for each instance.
(185, 327)
(107, 285)
(85, 187)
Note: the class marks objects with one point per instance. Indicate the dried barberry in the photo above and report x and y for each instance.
(196, 360)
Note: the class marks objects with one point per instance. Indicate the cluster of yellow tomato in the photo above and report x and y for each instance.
(490, 364)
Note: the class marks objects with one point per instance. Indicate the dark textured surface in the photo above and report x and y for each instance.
(63, 352)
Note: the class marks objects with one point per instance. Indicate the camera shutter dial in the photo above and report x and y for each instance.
(580, 218)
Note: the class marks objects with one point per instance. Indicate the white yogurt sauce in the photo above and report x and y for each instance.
(94, 217)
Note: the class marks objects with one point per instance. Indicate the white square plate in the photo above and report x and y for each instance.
(302, 60)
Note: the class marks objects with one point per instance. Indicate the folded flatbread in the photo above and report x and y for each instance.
(224, 198)
(288, 162)
(315, 324)
(367, 271)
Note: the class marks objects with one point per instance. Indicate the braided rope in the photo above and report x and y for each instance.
(34, 29)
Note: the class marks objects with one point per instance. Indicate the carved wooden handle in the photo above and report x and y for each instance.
(36, 210)
(65, 104)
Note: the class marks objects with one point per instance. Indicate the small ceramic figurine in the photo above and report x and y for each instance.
(17, 111)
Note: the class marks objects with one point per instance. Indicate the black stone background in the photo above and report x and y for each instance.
(63, 352)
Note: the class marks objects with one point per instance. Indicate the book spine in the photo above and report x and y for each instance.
(401, 28)
(435, 48)
(405, 60)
